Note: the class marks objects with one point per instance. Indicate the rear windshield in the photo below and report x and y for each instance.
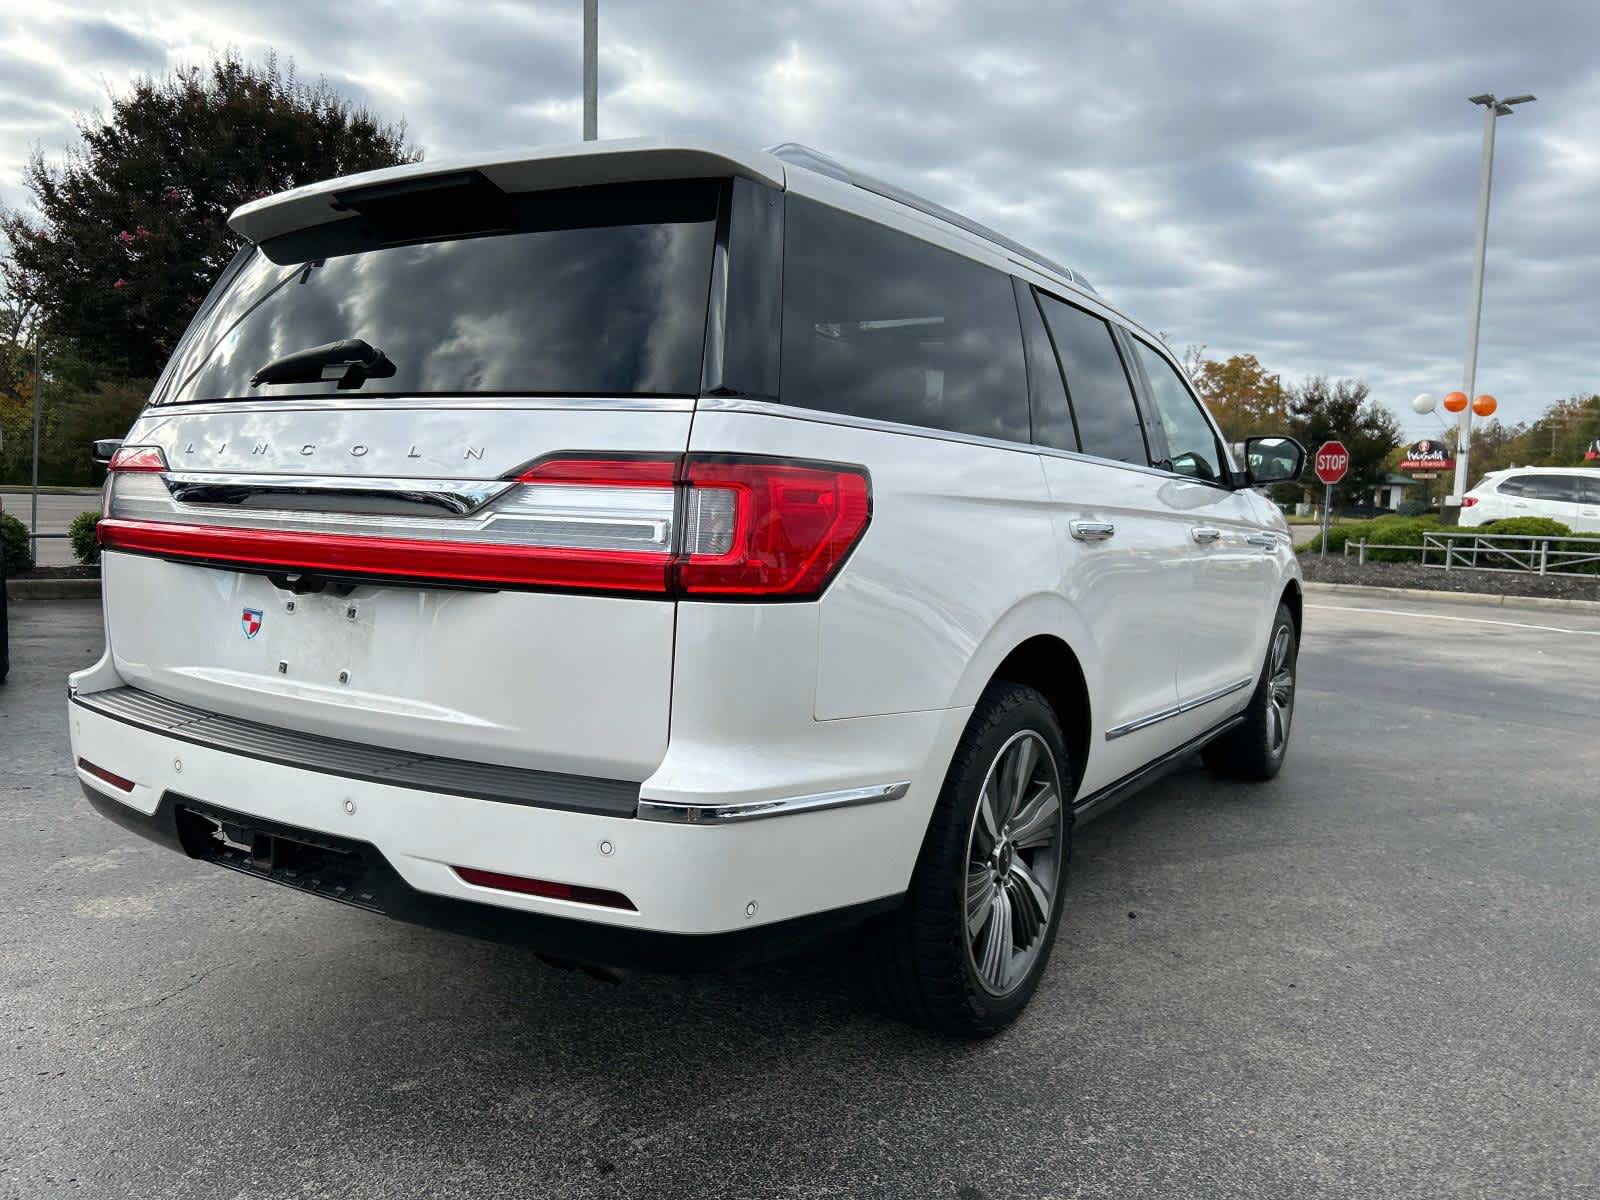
(591, 291)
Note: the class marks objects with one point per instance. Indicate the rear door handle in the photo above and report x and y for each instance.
(1092, 531)
(1270, 541)
(1205, 534)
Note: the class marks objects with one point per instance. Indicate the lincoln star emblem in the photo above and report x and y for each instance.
(250, 622)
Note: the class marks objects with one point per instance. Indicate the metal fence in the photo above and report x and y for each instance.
(1539, 554)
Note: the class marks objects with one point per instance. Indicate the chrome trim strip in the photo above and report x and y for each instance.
(460, 496)
(1166, 714)
(750, 810)
(386, 404)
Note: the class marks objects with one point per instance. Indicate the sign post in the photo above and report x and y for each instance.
(1331, 463)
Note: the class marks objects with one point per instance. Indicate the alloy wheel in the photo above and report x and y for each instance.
(1013, 862)
(1280, 690)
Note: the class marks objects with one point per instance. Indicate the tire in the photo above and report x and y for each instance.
(1255, 750)
(927, 965)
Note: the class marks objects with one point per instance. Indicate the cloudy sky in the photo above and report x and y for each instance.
(1295, 180)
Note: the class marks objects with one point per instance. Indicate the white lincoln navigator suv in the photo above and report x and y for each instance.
(658, 554)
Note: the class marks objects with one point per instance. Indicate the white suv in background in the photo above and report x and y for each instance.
(663, 554)
(1570, 495)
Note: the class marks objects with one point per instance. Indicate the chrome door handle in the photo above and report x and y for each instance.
(1269, 540)
(1092, 531)
(1205, 534)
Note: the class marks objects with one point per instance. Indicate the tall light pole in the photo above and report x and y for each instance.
(591, 70)
(1493, 110)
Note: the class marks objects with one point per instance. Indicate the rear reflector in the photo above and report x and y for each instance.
(713, 527)
(111, 777)
(542, 887)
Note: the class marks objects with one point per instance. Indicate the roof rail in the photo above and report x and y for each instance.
(815, 160)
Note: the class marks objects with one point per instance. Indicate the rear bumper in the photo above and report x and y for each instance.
(744, 883)
(374, 885)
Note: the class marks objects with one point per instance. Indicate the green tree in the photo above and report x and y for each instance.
(1320, 409)
(132, 225)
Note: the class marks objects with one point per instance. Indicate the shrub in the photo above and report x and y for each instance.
(82, 536)
(1402, 531)
(1548, 527)
(16, 547)
(1527, 526)
(1413, 508)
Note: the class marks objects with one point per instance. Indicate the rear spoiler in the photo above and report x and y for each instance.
(585, 163)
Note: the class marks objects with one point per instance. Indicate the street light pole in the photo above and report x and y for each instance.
(591, 70)
(1493, 109)
(38, 387)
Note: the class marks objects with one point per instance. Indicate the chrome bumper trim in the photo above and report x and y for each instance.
(750, 810)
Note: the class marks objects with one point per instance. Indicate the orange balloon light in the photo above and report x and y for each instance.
(1485, 405)
(1455, 402)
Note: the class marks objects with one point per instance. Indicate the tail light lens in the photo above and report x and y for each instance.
(1468, 501)
(702, 526)
(774, 529)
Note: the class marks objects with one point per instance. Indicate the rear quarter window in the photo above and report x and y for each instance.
(883, 325)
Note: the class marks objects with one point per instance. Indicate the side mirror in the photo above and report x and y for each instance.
(1272, 460)
(103, 449)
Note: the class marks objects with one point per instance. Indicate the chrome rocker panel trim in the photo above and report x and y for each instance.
(1167, 714)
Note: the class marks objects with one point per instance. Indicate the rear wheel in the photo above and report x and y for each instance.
(966, 952)
(1255, 750)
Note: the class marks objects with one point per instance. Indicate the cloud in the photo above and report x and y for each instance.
(1294, 180)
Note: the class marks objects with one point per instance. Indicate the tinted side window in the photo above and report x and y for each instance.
(1551, 487)
(1512, 487)
(879, 324)
(1097, 384)
(1191, 443)
(1052, 416)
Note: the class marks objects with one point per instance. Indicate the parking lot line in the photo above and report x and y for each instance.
(1397, 612)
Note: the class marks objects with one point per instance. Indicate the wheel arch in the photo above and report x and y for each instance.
(1042, 642)
(1292, 599)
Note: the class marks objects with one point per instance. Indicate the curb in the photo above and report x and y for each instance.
(1490, 599)
(52, 589)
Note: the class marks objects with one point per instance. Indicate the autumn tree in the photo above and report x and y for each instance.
(1243, 397)
(131, 227)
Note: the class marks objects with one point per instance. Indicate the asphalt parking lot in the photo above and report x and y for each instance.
(1375, 977)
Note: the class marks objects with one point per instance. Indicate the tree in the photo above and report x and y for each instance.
(1245, 400)
(132, 226)
(1320, 409)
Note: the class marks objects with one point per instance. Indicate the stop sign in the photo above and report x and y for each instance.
(1331, 462)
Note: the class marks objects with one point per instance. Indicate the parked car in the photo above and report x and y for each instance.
(1570, 495)
(665, 554)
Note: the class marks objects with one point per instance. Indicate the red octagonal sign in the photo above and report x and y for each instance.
(1331, 462)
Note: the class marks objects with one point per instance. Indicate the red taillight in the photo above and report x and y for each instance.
(702, 526)
(1468, 501)
(543, 887)
(759, 528)
(551, 567)
(138, 458)
(111, 777)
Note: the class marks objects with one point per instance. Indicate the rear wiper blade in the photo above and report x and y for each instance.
(352, 362)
